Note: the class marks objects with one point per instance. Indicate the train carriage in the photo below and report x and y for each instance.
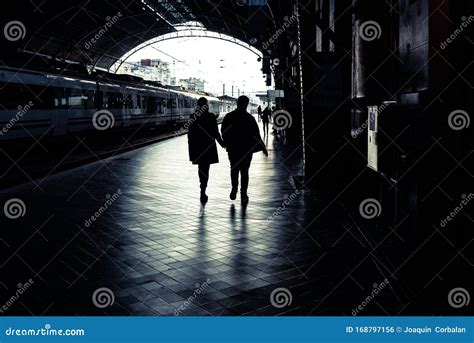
(37, 104)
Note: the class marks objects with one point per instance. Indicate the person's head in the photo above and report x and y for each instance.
(203, 104)
(243, 102)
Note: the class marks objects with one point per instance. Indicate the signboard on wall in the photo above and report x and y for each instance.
(275, 93)
(372, 151)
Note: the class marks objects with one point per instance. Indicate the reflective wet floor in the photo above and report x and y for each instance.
(128, 236)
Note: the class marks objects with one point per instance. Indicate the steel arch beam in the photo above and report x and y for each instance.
(196, 33)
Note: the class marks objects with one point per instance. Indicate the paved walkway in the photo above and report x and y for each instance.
(131, 229)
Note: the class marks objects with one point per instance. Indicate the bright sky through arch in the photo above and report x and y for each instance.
(213, 60)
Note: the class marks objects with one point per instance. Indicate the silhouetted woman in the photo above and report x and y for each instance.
(202, 135)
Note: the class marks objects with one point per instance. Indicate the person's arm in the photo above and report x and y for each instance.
(216, 133)
(224, 130)
(258, 138)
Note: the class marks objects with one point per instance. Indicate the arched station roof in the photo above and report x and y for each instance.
(99, 32)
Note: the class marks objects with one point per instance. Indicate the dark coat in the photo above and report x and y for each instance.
(241, 134)
(202, 136)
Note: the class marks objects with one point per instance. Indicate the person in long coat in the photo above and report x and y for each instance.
(202, 135)
(242, 139)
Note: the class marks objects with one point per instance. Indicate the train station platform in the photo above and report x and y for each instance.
(127, 236)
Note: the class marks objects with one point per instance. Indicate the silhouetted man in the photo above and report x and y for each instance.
(242, 138)
(266, 119)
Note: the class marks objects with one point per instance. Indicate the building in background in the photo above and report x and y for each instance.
(193, 84)
(149, 69)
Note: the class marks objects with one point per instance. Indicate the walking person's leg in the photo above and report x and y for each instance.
(244, 171)
(234, 176)
(204, 179)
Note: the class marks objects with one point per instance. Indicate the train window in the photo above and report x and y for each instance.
(138, 103)
(60, 98)
(75, 99)
(98, 100)
(151, 105)
(43, 96)
(88, 99)
(114, 101)
(13, 95)
(159, 106)
(128, 103)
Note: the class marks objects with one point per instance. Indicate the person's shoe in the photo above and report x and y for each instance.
(244, 198)
(233, 194)
(204, 198)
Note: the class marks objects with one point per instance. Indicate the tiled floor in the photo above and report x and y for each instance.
(160, 253)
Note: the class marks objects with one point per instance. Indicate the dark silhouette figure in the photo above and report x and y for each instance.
(202, 135)
(259, 113)
(266, 114)
(242, 139)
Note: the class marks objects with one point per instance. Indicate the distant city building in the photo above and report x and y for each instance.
(193, 84)
(149, 69)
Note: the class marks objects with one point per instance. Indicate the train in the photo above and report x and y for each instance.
(39, 103)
